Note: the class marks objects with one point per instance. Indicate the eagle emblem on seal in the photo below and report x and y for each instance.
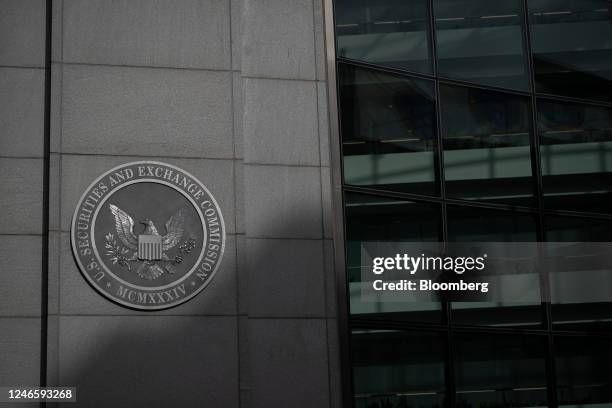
(149, 249)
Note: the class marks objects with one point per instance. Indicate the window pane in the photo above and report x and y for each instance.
(584, 378)
(580, 280)
(397, 369)
(370, 218)
(467, 224)
(575, 315)
(394, 33)
(576, 155)
(482, 41)
(588, 316)
(486, 139)
(388, 136)
(500, 370)
(576, 229)
(572, 51)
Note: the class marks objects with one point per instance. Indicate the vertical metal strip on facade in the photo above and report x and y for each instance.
(45, 207)
(335, 146)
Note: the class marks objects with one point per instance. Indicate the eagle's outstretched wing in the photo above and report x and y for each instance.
(174, 230)
(125, 227)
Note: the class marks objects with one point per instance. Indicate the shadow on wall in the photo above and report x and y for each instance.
(158, 360)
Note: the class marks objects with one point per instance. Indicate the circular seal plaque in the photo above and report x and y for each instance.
(148, 235)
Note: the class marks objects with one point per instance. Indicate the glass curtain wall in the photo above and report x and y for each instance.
(482, 121)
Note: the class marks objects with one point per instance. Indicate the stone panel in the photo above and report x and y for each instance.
(146, 112)
(285, 278)
(22, 33)
(288, 363)
(22, 112)
(280, 122)
(21, 192)
(150, 361)
(283, 202)
(278, 39)
(158, 33)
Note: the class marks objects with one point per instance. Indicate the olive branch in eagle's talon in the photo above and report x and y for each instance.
(184, 249)
(116, 252)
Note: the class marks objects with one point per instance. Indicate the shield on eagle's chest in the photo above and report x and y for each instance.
(150, 247)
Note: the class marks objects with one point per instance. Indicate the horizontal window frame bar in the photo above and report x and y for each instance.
(408, 326)
(471, 203)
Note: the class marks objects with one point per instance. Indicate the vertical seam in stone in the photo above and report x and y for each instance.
(322, 205)
(44, 305)
(234, 180)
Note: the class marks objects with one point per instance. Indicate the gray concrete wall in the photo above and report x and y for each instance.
(290, 322)
(137, 80)
(233, 91)
(22, 107)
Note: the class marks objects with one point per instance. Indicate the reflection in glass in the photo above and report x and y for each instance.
(482, 41)
(397, 369)
(572, 47)
(394, 33)
(577, 229)
(371, 218)
(584, 378)
(576, 155)
(467, 224)
(500, 370)
(388, 135)
(580, 276)
(580, 309)
(486, 139)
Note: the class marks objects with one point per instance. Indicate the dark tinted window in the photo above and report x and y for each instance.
(394, 33)
(580, 276)
(370, 218)
(486, 139)
(577, 229)
(388, 131)
(467, 224)
(482, 41)
(576, 155)
(397, 369)
(484, 225)
(584, 377)
(500, 370)
(572, 51)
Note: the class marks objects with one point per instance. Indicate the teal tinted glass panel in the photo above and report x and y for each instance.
(581, 298)
(486, 139)
(576, 156)
(482, 41)
(577, 229)
(582, 316)
(500, 370)
(467, 224)
(397, 369)
(393, 33)
(371, 218)
(388, 130)
(584, 378)
(572, 50)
